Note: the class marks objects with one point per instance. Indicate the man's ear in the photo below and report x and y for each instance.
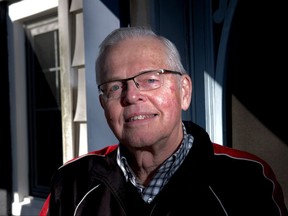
(186, 90)
(101, 101)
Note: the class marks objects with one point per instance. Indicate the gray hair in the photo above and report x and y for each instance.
(116, 36)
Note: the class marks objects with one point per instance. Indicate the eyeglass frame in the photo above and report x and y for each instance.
(160, 71)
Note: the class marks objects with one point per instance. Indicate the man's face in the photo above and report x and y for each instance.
(144, 118)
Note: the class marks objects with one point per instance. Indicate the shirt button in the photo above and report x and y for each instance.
(150, 200)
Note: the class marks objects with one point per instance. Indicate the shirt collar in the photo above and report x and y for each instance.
(177, 157)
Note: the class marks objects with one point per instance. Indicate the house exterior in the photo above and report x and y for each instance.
(232, 50)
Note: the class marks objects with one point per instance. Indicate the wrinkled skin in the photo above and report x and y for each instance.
(147, 123)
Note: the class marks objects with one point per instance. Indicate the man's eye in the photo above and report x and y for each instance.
(114, 88)
(151, 81)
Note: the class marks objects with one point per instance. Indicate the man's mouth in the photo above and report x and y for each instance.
(140, 117)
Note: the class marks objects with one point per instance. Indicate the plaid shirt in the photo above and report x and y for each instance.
(162, 176)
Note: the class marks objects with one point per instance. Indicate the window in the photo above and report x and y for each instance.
(44, 103)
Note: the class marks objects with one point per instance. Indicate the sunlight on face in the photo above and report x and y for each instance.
(142, 118)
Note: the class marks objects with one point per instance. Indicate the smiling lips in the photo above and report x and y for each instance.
(140, 117)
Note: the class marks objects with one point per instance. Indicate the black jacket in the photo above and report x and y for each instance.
(213, 180)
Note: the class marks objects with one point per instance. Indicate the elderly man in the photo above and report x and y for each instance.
(161, 166)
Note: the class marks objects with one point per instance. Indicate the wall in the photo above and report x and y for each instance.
(99, 20)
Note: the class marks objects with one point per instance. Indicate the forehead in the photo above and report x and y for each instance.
(136, 53)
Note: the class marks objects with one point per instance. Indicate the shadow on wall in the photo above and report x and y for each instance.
(259, 40)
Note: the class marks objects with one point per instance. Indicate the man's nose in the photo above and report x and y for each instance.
(131, 94)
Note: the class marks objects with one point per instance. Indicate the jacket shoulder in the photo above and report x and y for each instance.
(241, 155)
(101, 152)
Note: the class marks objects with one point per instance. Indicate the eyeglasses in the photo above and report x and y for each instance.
(145, 81)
